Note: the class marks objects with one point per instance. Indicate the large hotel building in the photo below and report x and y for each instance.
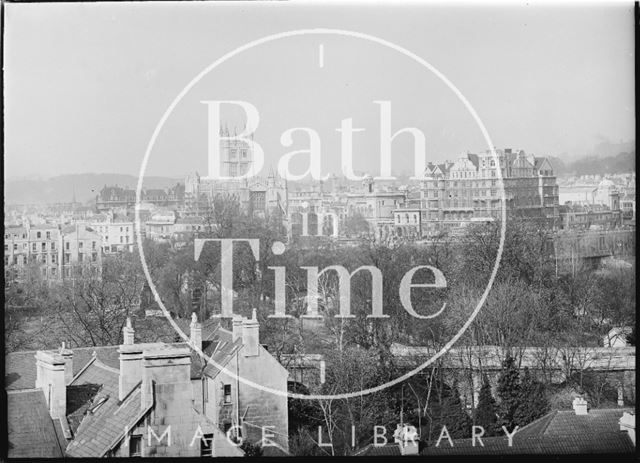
(470, 189)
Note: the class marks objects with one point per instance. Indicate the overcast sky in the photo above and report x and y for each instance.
(86, 84)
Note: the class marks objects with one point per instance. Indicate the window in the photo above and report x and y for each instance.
(38, 235)
(48, 235)
(227, 393)
(53, 258)
(53, 246)
(80, 243)
(66, 245)
(67, 258)
(44, 247)
(135, 446)
(80, 257)
(93, 245)
(15, 246)
(94, 256)
(206, 445)
(33, 247)
(6, 247)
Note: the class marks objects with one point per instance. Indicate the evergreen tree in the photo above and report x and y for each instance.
(485, 413)
(447, 409)
(456, 417)
(533, 400)
(508, 393)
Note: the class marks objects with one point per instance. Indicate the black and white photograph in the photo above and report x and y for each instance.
(296, 229)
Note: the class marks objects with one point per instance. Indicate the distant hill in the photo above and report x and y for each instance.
(61, 188)
(614, 164)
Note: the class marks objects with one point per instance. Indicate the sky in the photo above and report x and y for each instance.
(86, 84)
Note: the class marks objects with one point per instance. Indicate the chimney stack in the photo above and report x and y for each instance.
(67, 355)
(166, 379)
(620, 396)
(130, 368)
(128, 332)
(236, 328)
(251, 335)
(628, 423)
(406, 436)
(50, 378)
(196, 331)
(580, 406)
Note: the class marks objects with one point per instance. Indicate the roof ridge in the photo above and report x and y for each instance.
(548, 416)
(98, 363)
(82, 370)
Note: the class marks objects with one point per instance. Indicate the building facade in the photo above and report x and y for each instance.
(455, 192)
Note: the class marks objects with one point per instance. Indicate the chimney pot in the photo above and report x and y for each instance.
(196, 331)
(128, 332)
(250, 337)
(67, 355)
(236, 328)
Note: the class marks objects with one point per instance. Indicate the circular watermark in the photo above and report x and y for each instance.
(297, 33)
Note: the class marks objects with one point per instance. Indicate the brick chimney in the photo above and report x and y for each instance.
(128, 332)
(580, 406)
(628, 424)
(196, 331)
(251, 335)
(67, 355)
(236, 329)
(50, 377)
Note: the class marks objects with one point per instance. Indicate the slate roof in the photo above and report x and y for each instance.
(216, 343)
(20, 367)
(32, 432)
(104, 425)
(610, 442)
(387, 450)
(558, 432)
(565, 422)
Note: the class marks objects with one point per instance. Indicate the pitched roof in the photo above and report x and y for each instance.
(558, 432)
(610, 442)
(564, 422)
(20, 367)
(32, 431)
(105, 423)
(386, 450)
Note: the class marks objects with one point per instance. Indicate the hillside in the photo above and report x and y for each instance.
(614, 164)
(61, 188)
